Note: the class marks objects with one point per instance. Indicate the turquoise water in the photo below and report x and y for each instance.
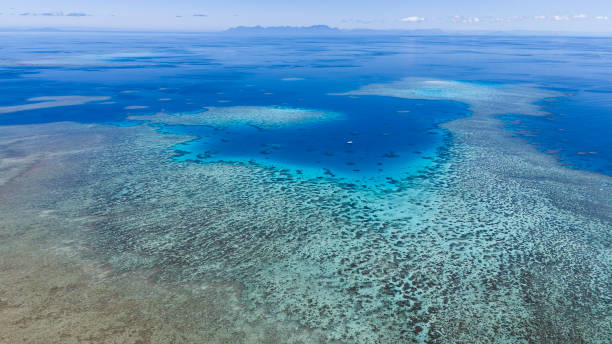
(371, 141)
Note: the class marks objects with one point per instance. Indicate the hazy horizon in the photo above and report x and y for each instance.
(332, 31)
(591, 16)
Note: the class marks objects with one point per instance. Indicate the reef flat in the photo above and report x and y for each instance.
(484, 99)
(50, 102)
(499, 244)
(266, 117)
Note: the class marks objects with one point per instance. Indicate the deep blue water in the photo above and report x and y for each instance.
(185, 72)
(371, 141)
(578, 131)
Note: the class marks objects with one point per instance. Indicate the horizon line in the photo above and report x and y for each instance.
(332, 29)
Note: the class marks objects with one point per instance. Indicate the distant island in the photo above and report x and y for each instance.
(320, 30)
(282, 30)
(313, 30)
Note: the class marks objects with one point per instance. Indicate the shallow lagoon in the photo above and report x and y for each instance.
(373, 139)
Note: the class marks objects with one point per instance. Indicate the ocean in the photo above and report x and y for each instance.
(355, 188)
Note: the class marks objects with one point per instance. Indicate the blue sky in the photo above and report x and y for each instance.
(208, 15)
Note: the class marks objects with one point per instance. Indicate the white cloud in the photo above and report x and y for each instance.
(467, 20)
(539, 17)
(601, 17)
(362, 21)
(580, 16)
(413, 19)
(560, 18)
(56, 14)
(510, 19)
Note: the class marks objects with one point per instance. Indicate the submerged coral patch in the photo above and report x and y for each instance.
(50, 102)
(473, 254)
(259, 116)
(483, 98)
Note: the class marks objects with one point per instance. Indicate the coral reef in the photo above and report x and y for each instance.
(494, 242)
